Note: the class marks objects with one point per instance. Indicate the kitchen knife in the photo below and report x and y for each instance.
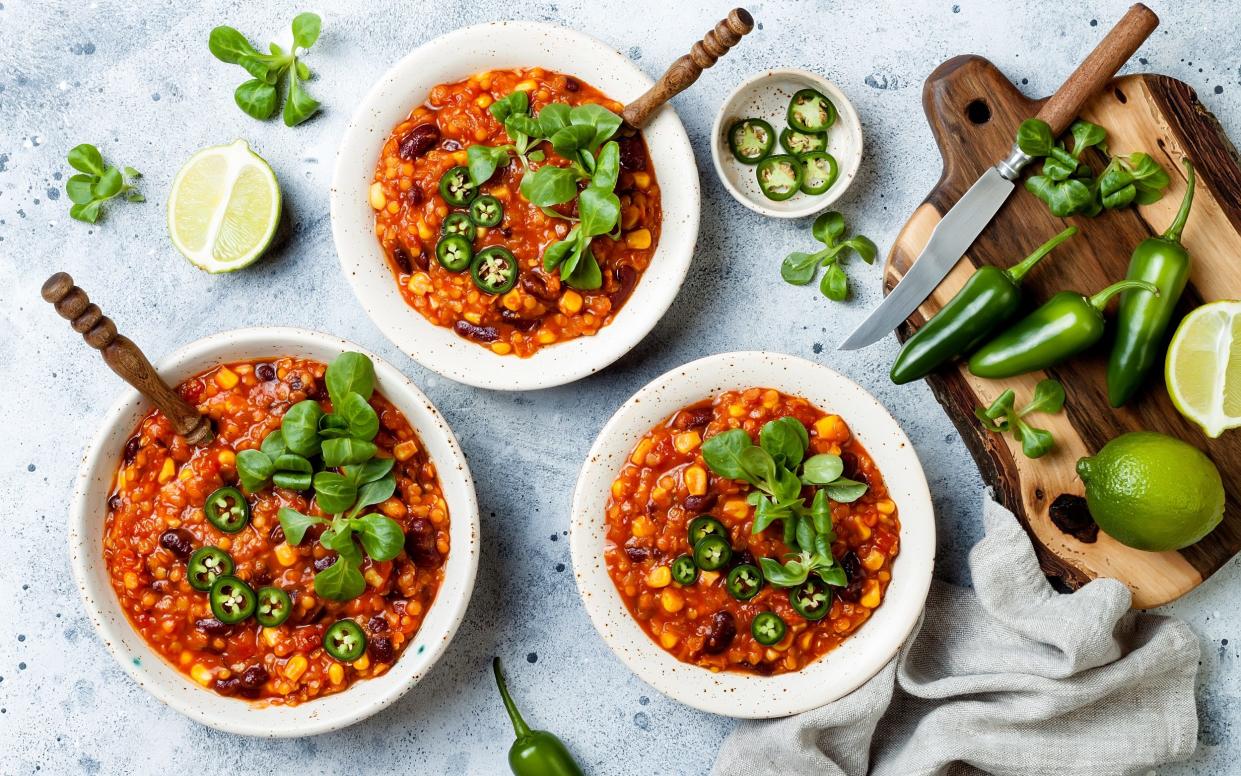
(962, 224)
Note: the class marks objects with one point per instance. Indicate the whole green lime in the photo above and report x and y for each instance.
(1153, 492)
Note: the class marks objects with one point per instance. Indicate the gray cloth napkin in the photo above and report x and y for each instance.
(1010, 677)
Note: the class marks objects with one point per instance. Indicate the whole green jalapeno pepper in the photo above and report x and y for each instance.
(1142, 319)
(1065, 325)
(535, 752)
(989, 298)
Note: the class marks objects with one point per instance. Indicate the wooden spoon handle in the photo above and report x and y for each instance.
(1097, 69)
(686, 70)
(124, 357)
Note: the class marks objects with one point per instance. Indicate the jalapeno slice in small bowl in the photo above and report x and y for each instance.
(779, 177)
(703, 526)
(684, 571)
(797, 142)
(345, 641)
(273, 608)
(486, 211)
(458, 223)
(768, 628)
(494, 269)
(712, 553)
(456, 187)
(744, 582)
(454, 252)
(206, 565)
(231, 599)
(810, 111)
(812, 599)
(751, 140)
(226, 509)
(819, 171)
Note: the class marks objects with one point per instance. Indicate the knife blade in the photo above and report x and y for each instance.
(949, 241)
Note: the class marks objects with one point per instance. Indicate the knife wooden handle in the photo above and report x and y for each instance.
(1112, 52)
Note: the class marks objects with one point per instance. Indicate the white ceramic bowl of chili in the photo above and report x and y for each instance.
(154, 674)
(454, 57)
(731, 693)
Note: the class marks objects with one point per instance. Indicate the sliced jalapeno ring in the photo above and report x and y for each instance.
(494, 269)
(227, 509)
(797, 142)
(703, 526)
(486, 211)
(812, 599)
(345, 641)
(454, 252)
(684, 571)
(810, 111)
(274, 607)
(206, 565)
(458, 223)
(779, 177)
(819, 172)
(751, 140)
(744, 582)
(456, 187)
(768, 628)
(712, 553)
(232, 600)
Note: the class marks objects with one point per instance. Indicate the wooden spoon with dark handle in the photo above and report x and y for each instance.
(683, 72)
(124, 357)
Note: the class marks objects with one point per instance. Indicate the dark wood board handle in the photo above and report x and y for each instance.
(124, 357)
(683, 72)
(1097, 69)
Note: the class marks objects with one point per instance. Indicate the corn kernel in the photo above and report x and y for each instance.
(870, 594)
(639, 239)
(736, 410)
(696, 480)
(511, 300)
(271, 636)
(546, 337)
(669, 640)
(707, 578)
(294, 669)
(425, 231)
(336, 672)
(460, 157)
(483, 100)
(362, 663)
(642, 180)
(686, 441)
(167, 471)
(886, 506)
(501, 348)
(863, 531)
(405, 450)
(571, 302)
(201, 674)
(286, 554)
(527, 85)
(660, 576)
(629, 217)
(373, 577)
(736, 508)
(393, 508)
(671, 600)
(642, 527)
(474, 318)
(639, 452)
(420, 283)
(873, 560)
(186, 657)
(185, 474)
(131, 580)
(227, 458)
(378, 200)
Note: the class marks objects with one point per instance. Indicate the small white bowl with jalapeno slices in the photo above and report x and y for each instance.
(787, 143)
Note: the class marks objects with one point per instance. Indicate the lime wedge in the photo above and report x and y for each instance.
(224, 208)
(1203, 371)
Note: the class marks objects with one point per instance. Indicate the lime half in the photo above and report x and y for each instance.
(1203, 370)
(224, 208)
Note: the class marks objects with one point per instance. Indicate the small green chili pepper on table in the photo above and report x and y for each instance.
(1142, 319)
(535, 752)
(989, 298)
(1065, 325)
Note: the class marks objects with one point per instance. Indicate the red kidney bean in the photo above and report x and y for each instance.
(254, 677)
(413, 195)
(324, 563)
(401, 257)
(701, 503)
(229, 686)
(451, 145)
(131, 449)
(571, 85)
(178, 541)
(381, 649)
(626, 278)
(418, 141)
(720, 633)
(632, 153)
(276, 534)
(851, 463)
(191, 391)
(476, 333)
(693, 417)
(265, 372)
(213, 627)
(420, 544)
(638, 554)
(856, 575)
(114, 502)
(377, 624)
(538, 285)
(516, 321)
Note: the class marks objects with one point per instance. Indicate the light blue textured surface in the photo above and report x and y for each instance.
(140, 83)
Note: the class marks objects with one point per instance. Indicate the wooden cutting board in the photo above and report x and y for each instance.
(974, 112)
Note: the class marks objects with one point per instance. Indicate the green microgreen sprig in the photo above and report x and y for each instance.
(1001, 417)
(800, 268)
(260, 96)
(96, 183)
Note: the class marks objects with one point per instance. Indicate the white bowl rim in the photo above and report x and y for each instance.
(845, 113)
(732, 693)
(466, 362)
(274, 721)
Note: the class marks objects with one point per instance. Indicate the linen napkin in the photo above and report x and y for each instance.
(1010, 677)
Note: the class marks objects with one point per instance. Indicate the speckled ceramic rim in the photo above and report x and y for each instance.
(165, 682)
(842, 670)
(453, 57)
(848, 157)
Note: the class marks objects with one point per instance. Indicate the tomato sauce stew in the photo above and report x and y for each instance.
(470, 255)
(681, 550)
(161, 530)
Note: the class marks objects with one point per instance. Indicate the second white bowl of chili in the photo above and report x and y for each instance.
(420, 120)
(700, 623)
